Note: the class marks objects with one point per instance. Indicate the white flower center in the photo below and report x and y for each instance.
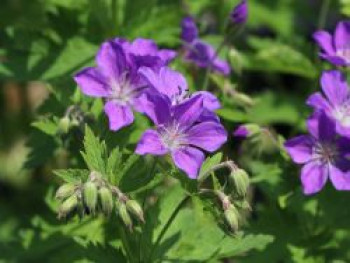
(342, 114)
(325, 152)
(121, 90)
(344, 53)
(173, 136)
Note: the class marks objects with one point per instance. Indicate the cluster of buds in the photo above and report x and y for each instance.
(232, 196)
(97, 195)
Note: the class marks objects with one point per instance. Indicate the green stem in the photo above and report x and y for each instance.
(323, 14)
(125, 243)
(167, 225)
(152, 171)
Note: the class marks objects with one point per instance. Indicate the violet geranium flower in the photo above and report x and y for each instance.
(323, 155)
(240, 13)
(115, 78)
(335, 49)
(180, 132)
(198, 52)
(336, 100)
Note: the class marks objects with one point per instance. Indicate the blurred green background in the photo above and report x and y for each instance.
(274, 60)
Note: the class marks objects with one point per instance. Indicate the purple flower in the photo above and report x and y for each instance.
(323, 155)
(180, 132)
(173, 85)
(335, 49)
(198, 52)
(240, 13)
(115, 78)
(336, 100)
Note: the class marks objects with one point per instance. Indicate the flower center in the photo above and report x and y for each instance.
(173, 136)
(325, 152)
(344, 53)
(121, 90)
(342, 114)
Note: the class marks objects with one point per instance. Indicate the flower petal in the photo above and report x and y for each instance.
(210, 101)
(324, 40)
(189, 29)
(318, 102)
(340, 174)
(300, 148)
(156, 106)
(335, 60)
(91, 82)
(209, 136)
(189, 111)
(189, 160)
(151, 143)
(166, 55)
(143, 47)
(335, 87)
(313, 177)
(342, 35)
(111, 60)
(321, 126)
(119, 116)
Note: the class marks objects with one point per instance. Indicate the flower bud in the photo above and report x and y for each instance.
(247, 130)
(231, 217)
(106, 199)
(134, 207)
(239, 14)
(65, 191)
(240, 180)
(225, 199)
(124, 215)
(68, 206)
(90, 196)
(63, 125)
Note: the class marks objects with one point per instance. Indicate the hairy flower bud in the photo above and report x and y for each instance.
(232, 217)
(90, 196)
(247, 130)
(134, 208)
(64, 124)
(106, 199)
(65, 191)
(240, 180)
(124, 215)
(68, 206)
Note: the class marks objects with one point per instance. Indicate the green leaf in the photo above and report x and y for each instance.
(72, 175)
(209, 163)
(47, 126)
(95, 152)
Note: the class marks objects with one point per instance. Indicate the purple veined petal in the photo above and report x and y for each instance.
(119, 116)
(189, 160)
(151, 143)
(340, 174)
(92, 82)
(335, 87)
(151, 77)
(321, 126)
(156, 106)
(343, 145)
(313, 177)
(300, 148)
(335, 60)
(189, 111)
(221, 66)
(143, 47)
(208, 116)
(111, 60)
(189, 30)
(210, 101)
(342, 35)
(167, 55)
(325, 41)
(318, 102)
(209, 136)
